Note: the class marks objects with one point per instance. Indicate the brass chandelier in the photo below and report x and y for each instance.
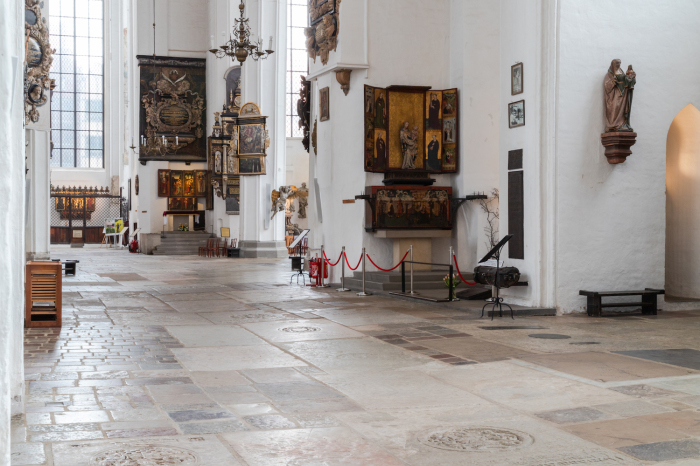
(239, 46)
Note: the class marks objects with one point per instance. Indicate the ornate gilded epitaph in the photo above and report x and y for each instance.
(173, 98)
(322, 34)
(38, 57)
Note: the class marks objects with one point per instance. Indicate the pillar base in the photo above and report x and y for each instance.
(268, 249)
(617, 145)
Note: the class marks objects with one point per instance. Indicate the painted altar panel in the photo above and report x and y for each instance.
(163, 183)
(411, 207)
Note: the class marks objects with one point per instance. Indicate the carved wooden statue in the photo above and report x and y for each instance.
(619, 136)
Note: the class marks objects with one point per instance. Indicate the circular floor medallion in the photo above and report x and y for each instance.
(300, 329)
(477, 439)
(549, 336)
(144, 455)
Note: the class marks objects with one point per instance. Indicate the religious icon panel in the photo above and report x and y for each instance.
(418, 128)
(409, 207)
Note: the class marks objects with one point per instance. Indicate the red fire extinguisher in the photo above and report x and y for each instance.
(314, 267)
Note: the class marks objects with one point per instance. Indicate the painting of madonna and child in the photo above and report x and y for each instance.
(410, 128)
(411, 207)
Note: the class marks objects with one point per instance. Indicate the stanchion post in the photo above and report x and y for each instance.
(403, 277)
(364, 270)
(411, 270)
(450, 282)
(322, 268)
(342, 274)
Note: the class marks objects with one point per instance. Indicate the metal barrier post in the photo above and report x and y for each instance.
(412, 292)
(342, 275)
(403, 277)
(364, 269)
(450, 283)
(322, 269)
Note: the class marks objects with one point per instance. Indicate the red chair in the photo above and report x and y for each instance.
(211, 247)
(221, 249)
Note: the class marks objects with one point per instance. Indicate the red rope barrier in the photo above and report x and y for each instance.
(329, 262)
(358, 262)
(460, 273)
(387, 270)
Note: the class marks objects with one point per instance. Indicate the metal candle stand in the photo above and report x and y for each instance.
(497, 301)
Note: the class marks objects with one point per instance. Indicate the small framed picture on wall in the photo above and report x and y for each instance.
(323, 109)
(516, 114)
(516, 79)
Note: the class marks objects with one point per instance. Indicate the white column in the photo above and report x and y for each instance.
(11, 218)
(264, 83)
(38, 150)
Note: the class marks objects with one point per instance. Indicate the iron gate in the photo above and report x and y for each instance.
(81, 217)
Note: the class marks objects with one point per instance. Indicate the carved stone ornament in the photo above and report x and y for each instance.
(304, 110)
(477, 439)
(343, 78)
(144, 454)
(38, 57)
(322, 35)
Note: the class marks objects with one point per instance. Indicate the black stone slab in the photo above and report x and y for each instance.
(684, 357)
(516, 215)
(514, 327)
(549, 336)
(664, 451)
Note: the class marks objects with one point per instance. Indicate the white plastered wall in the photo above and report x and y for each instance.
(611, 218)
(12, 217)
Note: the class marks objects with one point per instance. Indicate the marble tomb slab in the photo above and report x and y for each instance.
(228, 358)
(301, 330)
(193, 336)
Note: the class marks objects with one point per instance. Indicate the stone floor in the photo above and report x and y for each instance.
(191, 361)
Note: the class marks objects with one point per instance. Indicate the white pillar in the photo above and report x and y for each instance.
(264, 83)
(38, 180)
(11, 218)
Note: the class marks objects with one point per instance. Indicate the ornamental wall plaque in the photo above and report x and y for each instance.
(322, 35)
(38, 57)
(173, 96)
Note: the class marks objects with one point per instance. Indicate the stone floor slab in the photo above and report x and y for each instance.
(663, 451)
(334, 445)
(26, 454)
(604, 367)
(301, 330)
(192, 336)
(247, 357)
(684, 357)
(619, 433)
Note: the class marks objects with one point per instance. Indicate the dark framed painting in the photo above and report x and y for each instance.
(200, 183)
(323, 104)
(516, 79)
(163, 183)
(182, 203)
(251, 139)
(516, 114)
(188, 183)
(250, 165)
(410, 207)
(177, 188)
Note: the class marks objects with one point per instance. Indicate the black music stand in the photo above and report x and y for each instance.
(298, 259)
(496, 301)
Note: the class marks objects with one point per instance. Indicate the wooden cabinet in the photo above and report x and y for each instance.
(43, 288)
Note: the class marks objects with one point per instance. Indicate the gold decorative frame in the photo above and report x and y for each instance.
(36, 77)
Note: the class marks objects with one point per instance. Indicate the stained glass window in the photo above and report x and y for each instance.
(297, 61)
(77, 29)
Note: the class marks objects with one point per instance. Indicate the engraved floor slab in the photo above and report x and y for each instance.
(301, 330)
(475, 349)
(685, 357)
(623, 432)
(186, 450)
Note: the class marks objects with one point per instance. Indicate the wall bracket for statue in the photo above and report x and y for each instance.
(38, 58)
(619, 90)
(322, 34)
(173, 96)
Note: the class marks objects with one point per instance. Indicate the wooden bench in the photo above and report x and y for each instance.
(595, 305)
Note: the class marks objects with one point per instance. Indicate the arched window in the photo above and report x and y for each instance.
(77, 31)
(297, 61)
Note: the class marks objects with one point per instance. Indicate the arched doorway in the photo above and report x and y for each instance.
(683, 205)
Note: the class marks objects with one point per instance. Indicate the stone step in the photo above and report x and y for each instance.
(356, 284)
(418, 276)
